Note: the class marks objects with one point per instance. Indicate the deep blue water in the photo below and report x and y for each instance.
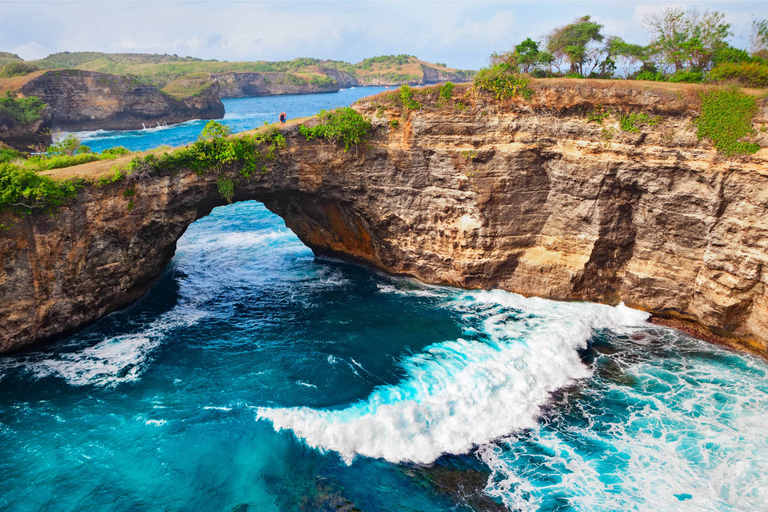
(254, 377)
(241, 114)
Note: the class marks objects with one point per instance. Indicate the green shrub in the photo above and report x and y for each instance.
(404, 96)
(24, 190)
(652, 76)
(116, 151)
(214, 151)
(344, 125)
(748, 74)
(69, 146)
(17, 69)
(21, 110)
(632, 122)
(446, 90)
(726, 116)
(686, 77)
(503, 82)
(8, 155)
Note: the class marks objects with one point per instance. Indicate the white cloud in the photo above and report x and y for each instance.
(30, 50)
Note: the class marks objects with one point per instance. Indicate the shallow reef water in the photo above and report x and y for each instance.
(254, 377)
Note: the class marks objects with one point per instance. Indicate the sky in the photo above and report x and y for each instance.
(461, 34)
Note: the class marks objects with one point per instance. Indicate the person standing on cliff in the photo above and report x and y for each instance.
(282, 117)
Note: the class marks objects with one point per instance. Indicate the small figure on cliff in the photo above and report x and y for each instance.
(282, 118)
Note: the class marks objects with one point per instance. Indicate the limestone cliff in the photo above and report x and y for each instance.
(239, 85)
(86, 100)
(524, 195)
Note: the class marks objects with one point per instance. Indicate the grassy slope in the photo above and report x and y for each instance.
(162, 69)
(7, 58)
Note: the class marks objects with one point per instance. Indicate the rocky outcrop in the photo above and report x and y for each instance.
(26, 137)
(86, 100)
(528, 196)
(433, 76)
(239, 85)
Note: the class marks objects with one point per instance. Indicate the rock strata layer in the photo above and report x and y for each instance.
(528, 196)
(87, 100)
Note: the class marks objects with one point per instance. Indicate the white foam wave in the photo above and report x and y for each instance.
(117, 359)
(687, 437)
(463, 393)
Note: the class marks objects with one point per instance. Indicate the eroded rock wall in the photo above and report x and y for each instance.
(87, 100)
(528, 196)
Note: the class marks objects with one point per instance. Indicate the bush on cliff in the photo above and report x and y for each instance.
(503, 81)
(748, 74)
(21, 110)
(344, 125)
(215, 152)
(726, 117)
(17, 69)
(24, 190)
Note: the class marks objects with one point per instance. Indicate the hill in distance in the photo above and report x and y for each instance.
(162, 69)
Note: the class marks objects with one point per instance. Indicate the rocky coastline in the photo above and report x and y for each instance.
(529, 196)
(87, 100)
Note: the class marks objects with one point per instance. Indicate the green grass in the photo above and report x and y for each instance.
(726, 116)
(344, 125)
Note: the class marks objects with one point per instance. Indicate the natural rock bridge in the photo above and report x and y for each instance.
(528, 196)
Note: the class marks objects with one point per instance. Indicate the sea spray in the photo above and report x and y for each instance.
(463, 393)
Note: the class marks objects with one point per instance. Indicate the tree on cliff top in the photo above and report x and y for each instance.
(572, 42)
(687, 39)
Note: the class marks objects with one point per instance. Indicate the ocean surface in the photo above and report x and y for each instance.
(254, 377)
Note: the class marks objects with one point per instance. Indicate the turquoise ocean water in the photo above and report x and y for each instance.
(255, 377)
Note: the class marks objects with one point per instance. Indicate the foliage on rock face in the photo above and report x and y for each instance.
(446, 90)
(214, 152)
(21, 110)
(726, 116)
(503, 81)
(404, 97)
(24, 190)
(631, 123)
(344, 125)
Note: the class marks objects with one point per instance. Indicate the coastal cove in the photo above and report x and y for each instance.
(255, 376)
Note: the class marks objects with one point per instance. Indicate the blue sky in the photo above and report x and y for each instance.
(459, 33)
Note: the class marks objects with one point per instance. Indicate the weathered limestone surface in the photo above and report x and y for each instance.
(527, 196)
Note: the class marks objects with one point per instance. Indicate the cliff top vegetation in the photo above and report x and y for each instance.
(686, 46)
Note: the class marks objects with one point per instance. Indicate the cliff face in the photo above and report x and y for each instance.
(26, 136)
(528, 196)
(238, 85)
(86, 100)
(433, 76)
